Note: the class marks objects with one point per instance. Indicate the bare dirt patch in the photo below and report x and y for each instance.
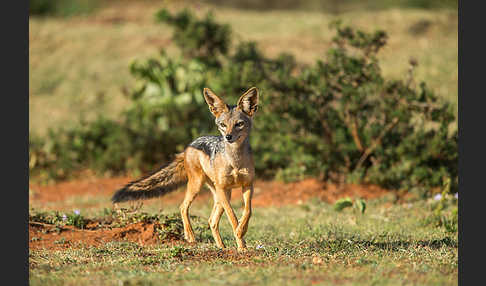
(81, 187)
(273, 193)
(267, 193)
(250, 257)
(44, 236)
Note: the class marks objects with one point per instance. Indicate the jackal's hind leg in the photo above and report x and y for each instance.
(193, 188)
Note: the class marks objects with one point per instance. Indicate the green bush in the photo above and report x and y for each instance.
(204, 39)
(335, 6)
(338, 119)
(42, 7)
(61, 7)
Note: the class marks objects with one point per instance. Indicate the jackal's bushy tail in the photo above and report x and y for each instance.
(165, 180)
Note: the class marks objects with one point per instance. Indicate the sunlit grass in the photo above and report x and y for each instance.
(296, 245)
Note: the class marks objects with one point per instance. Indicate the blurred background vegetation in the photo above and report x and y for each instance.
(352, 91)
(335, 6)
(74, 7)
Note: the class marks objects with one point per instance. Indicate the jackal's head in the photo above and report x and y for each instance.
(234, 122)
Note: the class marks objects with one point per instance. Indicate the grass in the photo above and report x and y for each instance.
(311, 243)
(78, 66)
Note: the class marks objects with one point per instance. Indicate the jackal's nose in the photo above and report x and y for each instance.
(228, 137)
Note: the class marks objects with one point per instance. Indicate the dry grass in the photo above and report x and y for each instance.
(79, 65)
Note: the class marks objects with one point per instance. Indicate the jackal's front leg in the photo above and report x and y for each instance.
(245, 218)
(224, 201)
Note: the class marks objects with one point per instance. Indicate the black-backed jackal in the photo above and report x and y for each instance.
(221, 162)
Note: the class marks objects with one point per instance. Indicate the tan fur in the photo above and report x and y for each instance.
(230, 168)
(161, 182)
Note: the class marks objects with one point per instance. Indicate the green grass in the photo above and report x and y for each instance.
(78, 66)
(390, 244)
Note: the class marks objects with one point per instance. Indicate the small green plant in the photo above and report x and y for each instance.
(178, 251)
(450, 222)
(57, 218)
(171, 227)
(360, 205)
(62, 240)
(343, 203)
(75, 219)
(445, 210)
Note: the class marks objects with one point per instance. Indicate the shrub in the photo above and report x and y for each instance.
(335, 6)
(338, 119)
(41, 7)
(61, 7)
(204, 40)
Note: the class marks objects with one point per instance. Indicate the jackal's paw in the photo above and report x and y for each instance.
(191, 240)
(242, 249)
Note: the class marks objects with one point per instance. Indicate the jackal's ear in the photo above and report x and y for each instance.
(216, 104)
(248, 102)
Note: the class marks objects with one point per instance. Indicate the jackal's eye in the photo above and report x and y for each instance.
(239, 124)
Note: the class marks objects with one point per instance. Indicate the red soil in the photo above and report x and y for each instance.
(47, 237)
(267, 193)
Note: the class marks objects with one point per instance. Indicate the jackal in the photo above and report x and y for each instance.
(221, 162)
